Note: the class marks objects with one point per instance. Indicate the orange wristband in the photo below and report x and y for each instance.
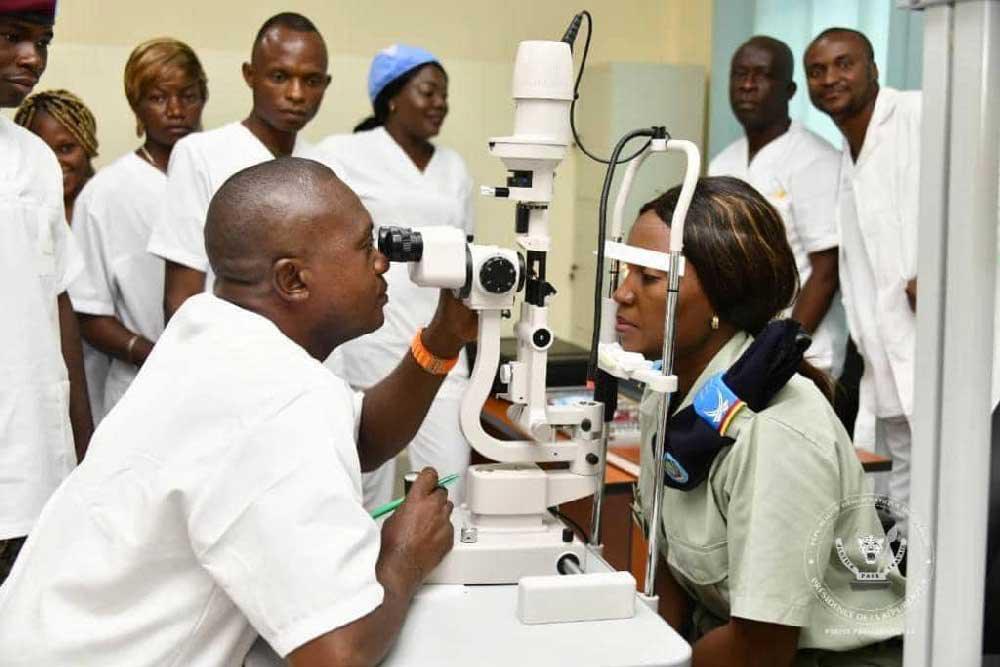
(426, 360)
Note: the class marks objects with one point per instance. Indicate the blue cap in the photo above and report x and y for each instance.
(392, 62)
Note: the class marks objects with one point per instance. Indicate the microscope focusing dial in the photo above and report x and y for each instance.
(497, 275)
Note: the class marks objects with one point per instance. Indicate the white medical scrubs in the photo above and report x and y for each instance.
(38, 259)
(220, 499)
(96, 366)
(797, 173)
(877, 212)
(199, 164)
(112, 220)
(396, 192)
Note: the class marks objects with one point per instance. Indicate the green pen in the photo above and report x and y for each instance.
(393, 504)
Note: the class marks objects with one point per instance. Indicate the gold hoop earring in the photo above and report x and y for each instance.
(715, 322)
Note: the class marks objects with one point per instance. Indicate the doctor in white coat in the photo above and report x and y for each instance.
(222, 498)
(877, 216)
(404, 179)
(797, 171)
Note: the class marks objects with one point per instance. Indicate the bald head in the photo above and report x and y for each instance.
(272, 210)
(289, 241)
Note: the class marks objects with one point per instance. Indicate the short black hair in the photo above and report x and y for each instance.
(289, 20)
(781, 52)
(851, 31)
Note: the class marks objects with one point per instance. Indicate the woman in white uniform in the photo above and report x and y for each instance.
(758, 489)
(68, 127)
(119, 297)
(404, 179)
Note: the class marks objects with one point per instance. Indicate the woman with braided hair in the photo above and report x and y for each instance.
(119, 297)
(65, 123)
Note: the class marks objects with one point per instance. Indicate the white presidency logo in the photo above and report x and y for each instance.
(853, 567)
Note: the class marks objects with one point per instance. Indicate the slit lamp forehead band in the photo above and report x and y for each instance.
(640, 256)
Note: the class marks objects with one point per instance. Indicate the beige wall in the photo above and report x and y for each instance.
(475, 40)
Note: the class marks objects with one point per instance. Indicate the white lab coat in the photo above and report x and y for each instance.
(798, 173)
(878, 218)
(395, 192)
(38, 259)
(112, 220)
(199, 164)
(221, 498)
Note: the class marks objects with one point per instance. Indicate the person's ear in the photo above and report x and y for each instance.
(290, 280)
(792, 88)
(248, 74)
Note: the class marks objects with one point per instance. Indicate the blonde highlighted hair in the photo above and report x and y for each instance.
(148, 62)
(737, 243)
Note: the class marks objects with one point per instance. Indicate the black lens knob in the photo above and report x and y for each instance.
(400, 244)
(541, 338)
(497, 275)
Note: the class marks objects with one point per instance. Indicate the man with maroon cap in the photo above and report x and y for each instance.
(44, 410)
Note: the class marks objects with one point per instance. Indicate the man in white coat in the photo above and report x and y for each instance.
(877, 217)
(288, 75)
(44, 407)
(222, 497)
(797, 171)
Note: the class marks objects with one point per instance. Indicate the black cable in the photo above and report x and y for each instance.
(602, 217)
(574, 27)
(579, 529)
(576, 96)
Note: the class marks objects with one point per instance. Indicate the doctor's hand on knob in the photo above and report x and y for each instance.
(417, 536)
(452, 327)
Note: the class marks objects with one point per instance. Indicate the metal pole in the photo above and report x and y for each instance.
(598, 505)
(928, 365)
(957, 265)
(663, 409)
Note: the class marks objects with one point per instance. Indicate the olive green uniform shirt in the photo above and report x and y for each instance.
(742, 541)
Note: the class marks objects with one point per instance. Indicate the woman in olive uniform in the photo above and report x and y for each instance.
(765, 541)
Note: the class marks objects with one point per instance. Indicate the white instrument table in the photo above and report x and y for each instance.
(478, 625)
